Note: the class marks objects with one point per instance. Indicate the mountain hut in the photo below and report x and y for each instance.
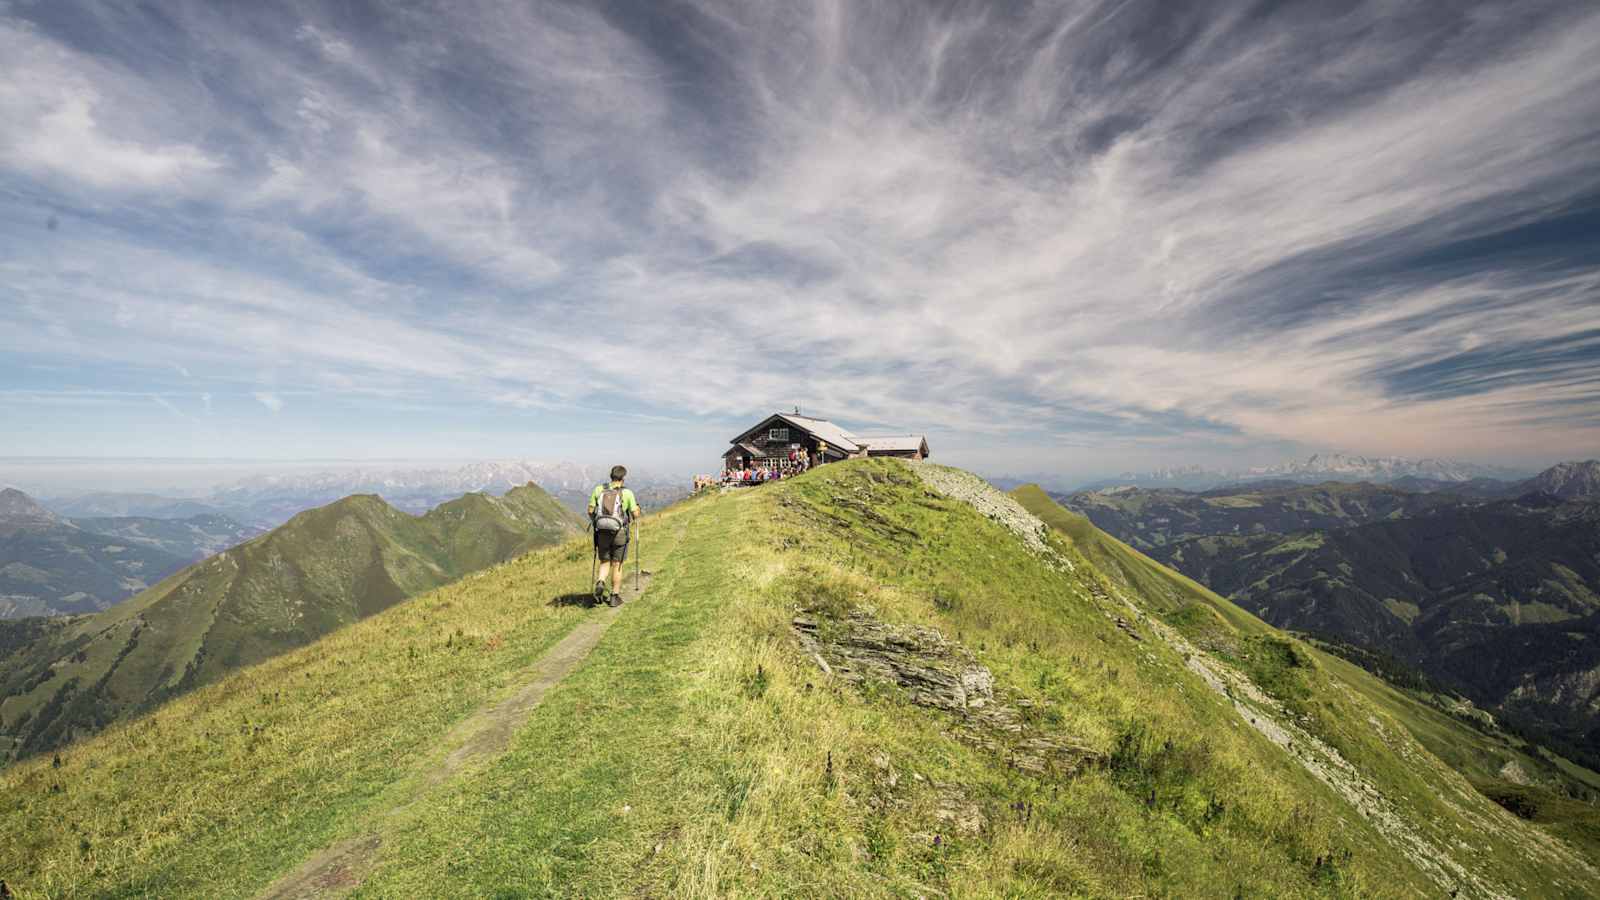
(770, 443)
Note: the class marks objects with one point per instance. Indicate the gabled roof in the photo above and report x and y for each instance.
(826, 430)
(821, 428)
(893, 442)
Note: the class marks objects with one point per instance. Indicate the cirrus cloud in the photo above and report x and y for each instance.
(1078, 231)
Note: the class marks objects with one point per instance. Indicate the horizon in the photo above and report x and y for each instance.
(1121, 237)
(199, 477)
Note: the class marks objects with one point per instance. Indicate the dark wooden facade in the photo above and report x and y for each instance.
(770, 443)
(777, 435)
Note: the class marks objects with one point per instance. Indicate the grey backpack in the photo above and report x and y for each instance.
(608, 515)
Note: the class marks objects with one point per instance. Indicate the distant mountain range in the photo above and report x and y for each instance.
(1315, 468)
(51, 565)
(1495, 593)
(323, 569)
(1568, 480)
(108, 504)
(269, 500)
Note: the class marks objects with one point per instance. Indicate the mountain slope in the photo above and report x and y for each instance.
(1153, 519)
(323, 569)
(875, 679)
(1479, 751)
(50, 566)
(1447, 585)
(1321, 467)
(18, 510)
(1568, 480)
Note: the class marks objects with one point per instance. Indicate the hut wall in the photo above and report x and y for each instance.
(900, 454)
(794, 438)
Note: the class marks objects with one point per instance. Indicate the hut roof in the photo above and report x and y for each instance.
(821, 428)
(826, 430)
(906, 442)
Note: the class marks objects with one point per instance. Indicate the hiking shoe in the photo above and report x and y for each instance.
(616, 599)
(599, 592)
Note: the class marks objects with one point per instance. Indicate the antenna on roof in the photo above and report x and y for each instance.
(797, 409)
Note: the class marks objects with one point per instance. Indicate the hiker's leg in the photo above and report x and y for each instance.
(618, 556)
(605, 566)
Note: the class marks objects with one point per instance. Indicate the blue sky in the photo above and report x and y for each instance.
(1074, 238)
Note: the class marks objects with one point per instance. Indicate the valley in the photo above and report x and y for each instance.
(1497, 598)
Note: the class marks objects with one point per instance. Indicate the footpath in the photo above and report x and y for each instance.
(473, 743)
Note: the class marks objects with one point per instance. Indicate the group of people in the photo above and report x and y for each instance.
(754, 475)
(767, 470)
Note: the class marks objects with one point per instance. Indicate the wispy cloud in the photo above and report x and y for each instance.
(172, 408)
(69, 117)
(1079, 230)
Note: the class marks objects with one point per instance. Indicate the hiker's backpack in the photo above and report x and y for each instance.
(608, 515)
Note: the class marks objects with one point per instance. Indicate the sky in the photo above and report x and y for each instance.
(1055, 237)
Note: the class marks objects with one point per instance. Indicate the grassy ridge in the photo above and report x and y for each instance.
(222, 789)
(325, 568)
(698, 752)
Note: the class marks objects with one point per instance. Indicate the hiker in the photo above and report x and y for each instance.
(612, 510)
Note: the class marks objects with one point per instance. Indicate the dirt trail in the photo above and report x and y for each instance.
(477, 739)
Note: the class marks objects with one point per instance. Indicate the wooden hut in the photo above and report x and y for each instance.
(772, 441)
(905, 446)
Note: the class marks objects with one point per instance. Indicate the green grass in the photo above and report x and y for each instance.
(1354, 711)
(1577, 822)
(220, 790)
(323, 569)
(697, 752)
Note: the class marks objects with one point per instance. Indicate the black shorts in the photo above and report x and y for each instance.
(608, 546)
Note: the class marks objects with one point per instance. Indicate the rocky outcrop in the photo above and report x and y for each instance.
(938, 673)
(994, 505)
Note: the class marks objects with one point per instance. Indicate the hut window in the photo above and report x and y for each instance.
(778, 434)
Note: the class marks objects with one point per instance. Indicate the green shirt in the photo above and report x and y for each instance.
(630, 506)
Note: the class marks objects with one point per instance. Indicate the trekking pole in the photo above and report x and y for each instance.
(594, 562)
(638, 536)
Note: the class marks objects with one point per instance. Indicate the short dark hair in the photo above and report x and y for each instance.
(618, 473)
